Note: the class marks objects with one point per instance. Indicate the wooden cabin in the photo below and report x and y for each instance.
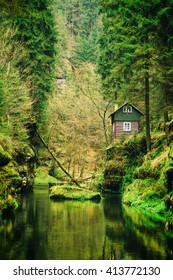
(125, 120)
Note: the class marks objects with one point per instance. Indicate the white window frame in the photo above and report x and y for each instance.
(125, 109)
(127, 126)
(129, 109)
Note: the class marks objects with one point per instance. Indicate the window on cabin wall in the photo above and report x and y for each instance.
(127, 109)
(127, 126)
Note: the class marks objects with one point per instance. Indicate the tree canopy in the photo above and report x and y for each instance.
(136, 54)
(35, 28)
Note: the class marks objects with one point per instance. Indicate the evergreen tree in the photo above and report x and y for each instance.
(36, 29)
(130, 60)
(164, 45)
(81, 18)
(15, 102)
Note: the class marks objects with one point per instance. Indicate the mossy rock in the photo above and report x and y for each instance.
(113, 175)
(73, 193)
(16, 171)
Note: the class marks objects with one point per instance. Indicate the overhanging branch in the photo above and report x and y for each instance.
(57, 161)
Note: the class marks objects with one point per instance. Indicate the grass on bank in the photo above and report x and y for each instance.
(151, 181)
(146, 194)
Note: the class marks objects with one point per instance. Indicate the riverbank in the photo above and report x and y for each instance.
(62, 190)
(144, 178)
(17, 165)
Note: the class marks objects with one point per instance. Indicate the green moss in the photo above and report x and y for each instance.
(146, 194)
(145, 178)
(43, 178)
(134, 147)
(68, 192)
(10, 202)
(4, 157)
(15, 169)
(146, 171)
(113, 175)
(7, 201)
(10, 175)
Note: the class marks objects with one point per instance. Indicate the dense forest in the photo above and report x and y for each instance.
(136, 47)
(65, 66)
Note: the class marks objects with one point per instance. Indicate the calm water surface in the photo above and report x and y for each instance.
(44, 229)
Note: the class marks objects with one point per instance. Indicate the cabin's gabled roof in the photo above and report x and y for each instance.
(126, 103)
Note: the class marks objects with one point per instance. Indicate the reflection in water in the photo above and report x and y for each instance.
(44, 229)
(131, 234)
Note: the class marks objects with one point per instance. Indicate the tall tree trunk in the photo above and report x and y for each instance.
(105, 128)
(165, 113)
(147, 109)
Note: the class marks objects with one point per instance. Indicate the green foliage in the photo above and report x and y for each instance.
(83, 24)
(57, 173)
(133, 150)
(112, 177)
(10, 203)
(134, 147)
(146, 194)
(10, 179)
(36, 30)
(87, 49)
(145, 172)
(81, 16)
(136, 48)
(43, 178)
(130, 169)
(7, 199)
(4, 157)
(142, 219)
(12, 7)
(98, 182)
(15, 101)
(27, 62)
(151, 181)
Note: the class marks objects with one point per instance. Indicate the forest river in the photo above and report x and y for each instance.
(46, 230)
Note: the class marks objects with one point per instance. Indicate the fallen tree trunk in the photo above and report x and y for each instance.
(73, 180)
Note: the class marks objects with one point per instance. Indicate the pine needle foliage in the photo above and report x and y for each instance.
(15, 101)
(36, 30)
(136, 55)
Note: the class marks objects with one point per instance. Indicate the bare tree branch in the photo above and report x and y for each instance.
(57, 161)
